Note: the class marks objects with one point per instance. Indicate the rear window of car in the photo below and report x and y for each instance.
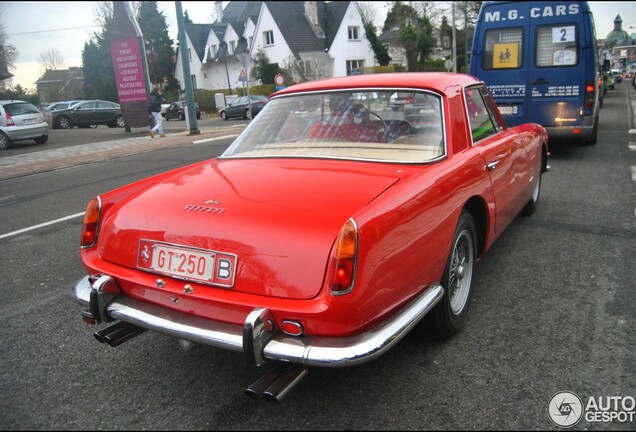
(356, 124)
(19, 108)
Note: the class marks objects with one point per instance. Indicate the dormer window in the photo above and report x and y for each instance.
(232, 46)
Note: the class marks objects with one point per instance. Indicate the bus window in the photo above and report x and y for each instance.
(503, 49)
(556, 46)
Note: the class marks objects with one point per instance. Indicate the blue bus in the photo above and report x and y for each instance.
(539, 61)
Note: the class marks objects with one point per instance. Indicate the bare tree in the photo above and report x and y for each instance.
(51, 59)
(8, 52)
(368, 11)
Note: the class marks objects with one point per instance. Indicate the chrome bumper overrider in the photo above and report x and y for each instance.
(257, 338)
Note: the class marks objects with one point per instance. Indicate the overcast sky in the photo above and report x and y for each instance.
(35, 27)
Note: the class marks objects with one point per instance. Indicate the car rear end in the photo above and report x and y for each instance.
(19, 121)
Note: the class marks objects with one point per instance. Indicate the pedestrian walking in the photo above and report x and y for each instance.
(154, 106)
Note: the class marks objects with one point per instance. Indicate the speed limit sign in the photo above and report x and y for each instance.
(279, 79)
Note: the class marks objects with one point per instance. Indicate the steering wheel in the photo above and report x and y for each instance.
(382, 130)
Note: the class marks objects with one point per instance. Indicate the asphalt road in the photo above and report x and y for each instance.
(59, 138)
(553, 310)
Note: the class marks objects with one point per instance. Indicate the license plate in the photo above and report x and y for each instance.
(182, 262)
(30, 121)
(508, 110)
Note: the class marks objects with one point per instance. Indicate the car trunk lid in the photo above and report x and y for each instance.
(272, 221)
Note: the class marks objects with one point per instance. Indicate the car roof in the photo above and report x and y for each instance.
(442, 82)
(6, 101)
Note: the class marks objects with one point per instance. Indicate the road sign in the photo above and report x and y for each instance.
(242, 76)
(279, 80)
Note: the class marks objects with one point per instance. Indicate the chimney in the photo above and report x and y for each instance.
(219, 11)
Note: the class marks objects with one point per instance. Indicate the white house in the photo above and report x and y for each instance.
(311, 39)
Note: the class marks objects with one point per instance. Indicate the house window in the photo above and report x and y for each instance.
(268, 37)
(249, 44)
(194, 82)
(213, 51)
(354, 65)
(189, 55)
(232, 47)
(354, 33)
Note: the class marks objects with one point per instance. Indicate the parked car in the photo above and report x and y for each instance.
(87, 113)
(398, 100)
(21, 121)
(239, 107)
(164, 107)
(602, 89)
(176, 110)
(61, 105)
(608, 77)
(48, 115)
(310, 250)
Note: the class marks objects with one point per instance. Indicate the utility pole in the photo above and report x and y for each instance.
(187, 79)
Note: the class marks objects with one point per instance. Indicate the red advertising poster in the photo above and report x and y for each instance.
(129, 70)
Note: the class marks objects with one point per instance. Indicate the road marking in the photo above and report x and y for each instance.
(213, 139)
(14, 233)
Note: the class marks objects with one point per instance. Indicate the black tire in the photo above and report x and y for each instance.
(41, 140)
(248, 114)
(63, 122)
(5, 142)
(199, 116)
(167, 117)
(223, 115)
(119, 121)
(181, 116)
(450, 314)
(594, 137)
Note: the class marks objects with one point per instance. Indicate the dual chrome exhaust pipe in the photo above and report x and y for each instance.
(276, 384)
(119, 333)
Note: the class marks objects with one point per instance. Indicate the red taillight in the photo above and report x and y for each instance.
(10, 121)
(344, 258)
(91, 223)
(590, 95)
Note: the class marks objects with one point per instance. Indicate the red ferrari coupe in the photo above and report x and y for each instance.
(331, 227)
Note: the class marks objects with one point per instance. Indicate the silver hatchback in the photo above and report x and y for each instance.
(20, 121)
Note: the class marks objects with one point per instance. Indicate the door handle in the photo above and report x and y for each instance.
(492, 165)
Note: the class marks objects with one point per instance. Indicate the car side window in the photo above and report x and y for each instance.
(481, 121)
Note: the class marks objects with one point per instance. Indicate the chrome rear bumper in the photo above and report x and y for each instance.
(257, 339)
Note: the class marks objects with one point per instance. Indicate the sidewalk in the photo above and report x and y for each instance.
(49, 160)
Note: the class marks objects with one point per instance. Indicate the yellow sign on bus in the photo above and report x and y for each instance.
(505, 55)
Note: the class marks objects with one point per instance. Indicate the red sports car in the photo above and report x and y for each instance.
(331, 227)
